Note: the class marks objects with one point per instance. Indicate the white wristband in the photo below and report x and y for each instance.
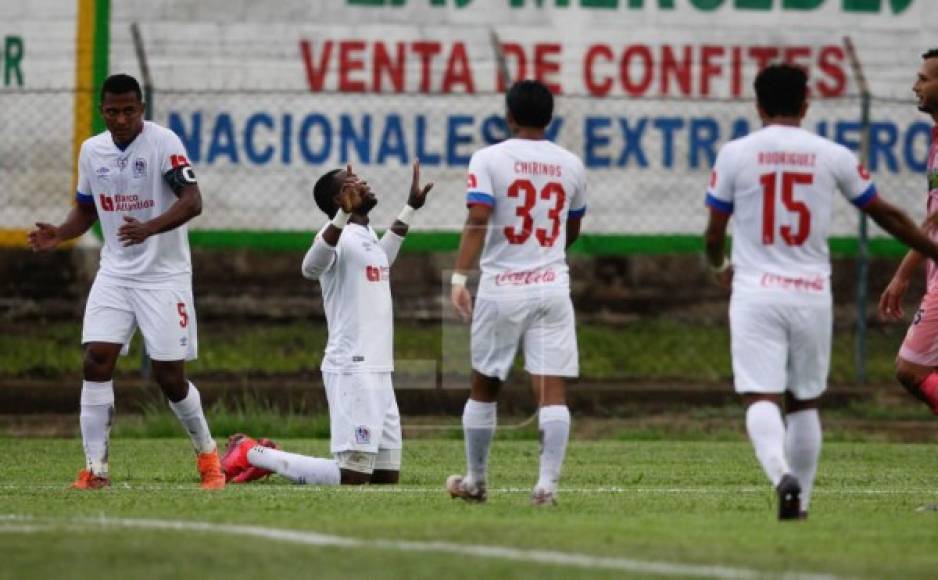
(340, 219)
(406, 215)
(458, 279)
(722, 267)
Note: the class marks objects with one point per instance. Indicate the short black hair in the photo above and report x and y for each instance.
(931, 53)
(530, 104)
(781, 90)
(119, 84)
(325, 190)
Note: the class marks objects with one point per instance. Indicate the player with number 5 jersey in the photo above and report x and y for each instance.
(526, 197)
(135, 180)
(778, 184)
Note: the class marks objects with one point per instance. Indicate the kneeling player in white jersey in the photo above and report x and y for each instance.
(353, 267)
(526, 197)
(779, 183)
(135, 180)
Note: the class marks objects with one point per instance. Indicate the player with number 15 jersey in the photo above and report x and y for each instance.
(778, 185)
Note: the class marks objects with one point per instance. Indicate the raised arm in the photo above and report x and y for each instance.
(393, 238)
(47, 237)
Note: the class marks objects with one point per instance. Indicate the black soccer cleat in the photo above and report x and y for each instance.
(789, 500)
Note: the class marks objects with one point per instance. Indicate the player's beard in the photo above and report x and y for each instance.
(367, 205)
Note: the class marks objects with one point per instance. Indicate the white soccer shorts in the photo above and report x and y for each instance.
(166, 319)
(780, 347)
(547, 326)
(363, 418)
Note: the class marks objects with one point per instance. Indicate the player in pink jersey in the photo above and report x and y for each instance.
(135, 180)
(778, 183)
(918, 355)
(526, 197)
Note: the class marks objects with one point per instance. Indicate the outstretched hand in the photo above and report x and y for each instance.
(418, 195)
(44, 238)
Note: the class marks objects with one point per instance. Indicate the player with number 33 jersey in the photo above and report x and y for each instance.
(526, 197)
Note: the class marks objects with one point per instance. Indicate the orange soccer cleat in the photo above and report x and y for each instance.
(210, 470)
(88, 480)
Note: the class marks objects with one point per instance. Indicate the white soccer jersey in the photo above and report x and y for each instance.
(778, 183)
(532, 186)
(130, 183)
(356, 292)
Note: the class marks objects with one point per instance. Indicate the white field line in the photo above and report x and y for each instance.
(27, 524)
(439, 490)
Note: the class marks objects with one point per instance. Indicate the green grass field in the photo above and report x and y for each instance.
(641, 350)
(627, 509)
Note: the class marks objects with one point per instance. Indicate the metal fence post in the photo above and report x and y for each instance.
(140, 51)
(863, 258)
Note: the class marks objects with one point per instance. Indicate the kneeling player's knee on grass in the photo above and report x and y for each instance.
(356, 467)
(385, 477)
(350, 477)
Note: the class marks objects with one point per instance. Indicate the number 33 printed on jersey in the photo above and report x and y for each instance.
(529, 196)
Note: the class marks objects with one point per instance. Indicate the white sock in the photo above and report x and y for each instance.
(767, 433)
(189, 412)
(97, 416)
(803, 446)
(554, 424)
(478, 423)
(296, 468)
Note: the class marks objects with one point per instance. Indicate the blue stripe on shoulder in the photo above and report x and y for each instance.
(84, 198)
(577, 213)
(865, 198)
(718, 204)
(477, 197)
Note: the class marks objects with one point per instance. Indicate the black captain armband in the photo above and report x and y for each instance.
(179, 177)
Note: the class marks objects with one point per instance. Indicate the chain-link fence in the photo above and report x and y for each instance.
(258, 154)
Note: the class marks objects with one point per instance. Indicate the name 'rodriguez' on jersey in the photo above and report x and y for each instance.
(130, 182)
(779, 183)
(532, 187)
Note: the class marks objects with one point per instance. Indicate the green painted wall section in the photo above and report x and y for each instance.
(594, 245)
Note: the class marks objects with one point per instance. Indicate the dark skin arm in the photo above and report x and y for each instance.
(470, 245)
(715, 244)
(47, 237)
(899, 224)
(186, 207)
(573, 230)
